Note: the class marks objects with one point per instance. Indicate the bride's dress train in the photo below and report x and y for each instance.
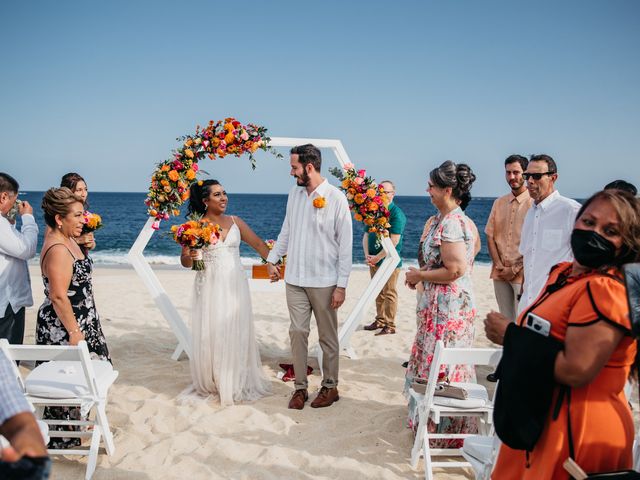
(225, 358)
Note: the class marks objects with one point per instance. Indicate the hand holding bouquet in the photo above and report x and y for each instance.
(196, 234)
(92, 222)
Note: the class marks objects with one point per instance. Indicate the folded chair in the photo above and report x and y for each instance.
(431, 407)
(69, 378)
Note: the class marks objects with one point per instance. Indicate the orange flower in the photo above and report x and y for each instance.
(190, 174)
(229, 138)
(373, 206)
(176, 212)
(215, 142)
(165, 168)
(359, 199)
(382, 220)
(167, 189)
(164, 182)
(188, 152)
(185, 196)
(188, 143)
(345, 183)
(153, 212)
(174, 176)
(371, 192)
(358, 217)
(368, 221)
(319, 202)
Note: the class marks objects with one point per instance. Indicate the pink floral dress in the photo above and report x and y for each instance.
(445, 312)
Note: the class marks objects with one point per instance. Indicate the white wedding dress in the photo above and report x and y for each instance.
(225, 358)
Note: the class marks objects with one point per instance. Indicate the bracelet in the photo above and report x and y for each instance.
(76, 330)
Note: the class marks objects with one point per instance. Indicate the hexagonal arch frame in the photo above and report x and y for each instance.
(173, 317)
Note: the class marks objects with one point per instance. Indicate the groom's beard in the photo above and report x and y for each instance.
(303, 180)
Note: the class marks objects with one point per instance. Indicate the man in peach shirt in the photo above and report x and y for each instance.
(503, 237)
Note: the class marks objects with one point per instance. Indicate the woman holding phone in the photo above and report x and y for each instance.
(584, 306)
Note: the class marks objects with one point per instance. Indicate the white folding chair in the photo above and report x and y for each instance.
(481, 452)
(69, 378)
(480, 407)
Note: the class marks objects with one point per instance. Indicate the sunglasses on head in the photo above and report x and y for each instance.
(536, 176)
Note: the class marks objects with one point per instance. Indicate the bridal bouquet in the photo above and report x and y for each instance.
(366, 199)
(92, 222)
(196, 234)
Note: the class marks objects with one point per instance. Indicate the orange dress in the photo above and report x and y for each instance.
(601, 421)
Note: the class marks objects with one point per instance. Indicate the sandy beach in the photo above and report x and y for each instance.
(157, 436)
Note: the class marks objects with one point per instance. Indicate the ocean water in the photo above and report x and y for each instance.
(124, 215)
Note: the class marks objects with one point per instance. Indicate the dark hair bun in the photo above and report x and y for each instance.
(464, 177)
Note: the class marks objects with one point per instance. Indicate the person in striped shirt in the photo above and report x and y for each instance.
(317, 238)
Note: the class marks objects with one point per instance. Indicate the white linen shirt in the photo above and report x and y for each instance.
(317, 241)
(545, 241)
(15, 249)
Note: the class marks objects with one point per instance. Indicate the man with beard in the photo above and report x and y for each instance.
(547, 227)
(503, 237)
(316, 237)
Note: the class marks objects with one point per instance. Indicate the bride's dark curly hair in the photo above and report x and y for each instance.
(197, 193)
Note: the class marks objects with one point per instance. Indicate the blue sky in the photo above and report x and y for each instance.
(104, 88)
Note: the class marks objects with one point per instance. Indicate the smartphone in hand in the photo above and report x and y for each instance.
(538, 324)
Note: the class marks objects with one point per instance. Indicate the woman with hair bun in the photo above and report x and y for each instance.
(68, 313)
(225, 359)
(446, 309)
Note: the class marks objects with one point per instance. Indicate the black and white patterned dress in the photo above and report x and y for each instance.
(51, 331)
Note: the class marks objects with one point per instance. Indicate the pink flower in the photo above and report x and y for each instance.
(194, 167)
(156, 224)
(362, 173)
(177, 164)
(244, 136)
(358, 180)
(205, 144)
(348, 166)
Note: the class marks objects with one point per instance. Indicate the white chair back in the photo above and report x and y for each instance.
(428, 409)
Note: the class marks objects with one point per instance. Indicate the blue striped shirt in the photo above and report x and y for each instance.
(12, 400)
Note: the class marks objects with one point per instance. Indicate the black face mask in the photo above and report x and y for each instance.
(591, 249)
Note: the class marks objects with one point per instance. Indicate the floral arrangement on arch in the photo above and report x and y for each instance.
(172, 178)
(366, 198)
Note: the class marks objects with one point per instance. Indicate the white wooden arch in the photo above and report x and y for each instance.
(173, 317)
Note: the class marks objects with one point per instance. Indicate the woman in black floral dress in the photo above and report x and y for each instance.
(68, 314)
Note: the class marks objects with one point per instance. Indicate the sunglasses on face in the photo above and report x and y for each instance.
(536, 176)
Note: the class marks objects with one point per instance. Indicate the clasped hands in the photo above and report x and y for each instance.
(337, 297)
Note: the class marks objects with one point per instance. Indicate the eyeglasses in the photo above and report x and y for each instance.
(537, 176)
(388, 191)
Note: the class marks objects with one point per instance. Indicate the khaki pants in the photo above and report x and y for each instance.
(387, 299)
(507, 298)
(302, 301)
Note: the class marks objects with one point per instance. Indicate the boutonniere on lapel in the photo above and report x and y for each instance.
(319, 202)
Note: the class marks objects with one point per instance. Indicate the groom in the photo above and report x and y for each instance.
(316, 237)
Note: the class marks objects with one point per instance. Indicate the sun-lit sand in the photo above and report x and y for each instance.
(157, 436)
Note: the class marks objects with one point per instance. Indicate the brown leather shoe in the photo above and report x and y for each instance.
(374, 326)
(326, 397)
(298, 398)
(386, 331)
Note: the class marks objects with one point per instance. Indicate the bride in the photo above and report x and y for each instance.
(225, 359)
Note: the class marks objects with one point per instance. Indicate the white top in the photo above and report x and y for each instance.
(316, 241)
(15, 249)
(545, 241)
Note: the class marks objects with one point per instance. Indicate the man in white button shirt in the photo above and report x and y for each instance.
(546, 232)
(317, 238)
(15, 249)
